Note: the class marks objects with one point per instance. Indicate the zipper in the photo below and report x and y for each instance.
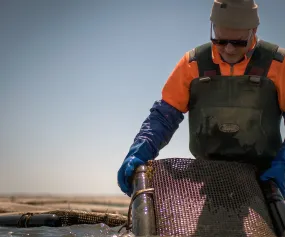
(231, 69)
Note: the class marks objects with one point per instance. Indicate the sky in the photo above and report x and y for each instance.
(77, 79)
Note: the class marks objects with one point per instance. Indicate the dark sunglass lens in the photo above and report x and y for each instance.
(238, 43)
(220, 42)
(243, 43)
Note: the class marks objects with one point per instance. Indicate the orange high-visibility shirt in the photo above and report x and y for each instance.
(176, 89)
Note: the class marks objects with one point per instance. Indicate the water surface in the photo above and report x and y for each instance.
(84, 230)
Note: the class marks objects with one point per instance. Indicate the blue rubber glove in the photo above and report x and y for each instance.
(155, 133)
(125, 173)
(277, 170)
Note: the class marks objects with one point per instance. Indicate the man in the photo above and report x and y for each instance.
(234, 91)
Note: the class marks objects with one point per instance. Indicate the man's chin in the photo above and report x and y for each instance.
(231, 59)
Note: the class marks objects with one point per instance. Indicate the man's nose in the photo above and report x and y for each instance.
(229, 48)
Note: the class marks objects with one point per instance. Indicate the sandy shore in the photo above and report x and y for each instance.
(33, 203)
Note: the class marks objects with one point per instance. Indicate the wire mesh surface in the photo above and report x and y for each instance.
(208, 198)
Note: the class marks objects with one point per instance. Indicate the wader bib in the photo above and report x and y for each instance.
(235, 117)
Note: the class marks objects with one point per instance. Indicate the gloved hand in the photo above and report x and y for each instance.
(277, 171)
(155, 133)
(126, 171)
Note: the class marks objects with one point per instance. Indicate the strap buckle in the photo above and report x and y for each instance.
(255, 80)
(204, 79)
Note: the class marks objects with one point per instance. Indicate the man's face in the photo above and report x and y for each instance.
(229, 52)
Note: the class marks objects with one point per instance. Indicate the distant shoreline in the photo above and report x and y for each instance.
(21, 203)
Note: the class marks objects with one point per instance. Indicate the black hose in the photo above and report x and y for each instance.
(30, 220)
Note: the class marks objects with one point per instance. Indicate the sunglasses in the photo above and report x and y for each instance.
(235, 43)
(224, 42)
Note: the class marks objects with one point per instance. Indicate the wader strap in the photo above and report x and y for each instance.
(205, 63)
(261, 59)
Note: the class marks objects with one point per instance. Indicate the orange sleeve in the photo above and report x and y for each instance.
(282, 87)
(277, 73)
(176, 89)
